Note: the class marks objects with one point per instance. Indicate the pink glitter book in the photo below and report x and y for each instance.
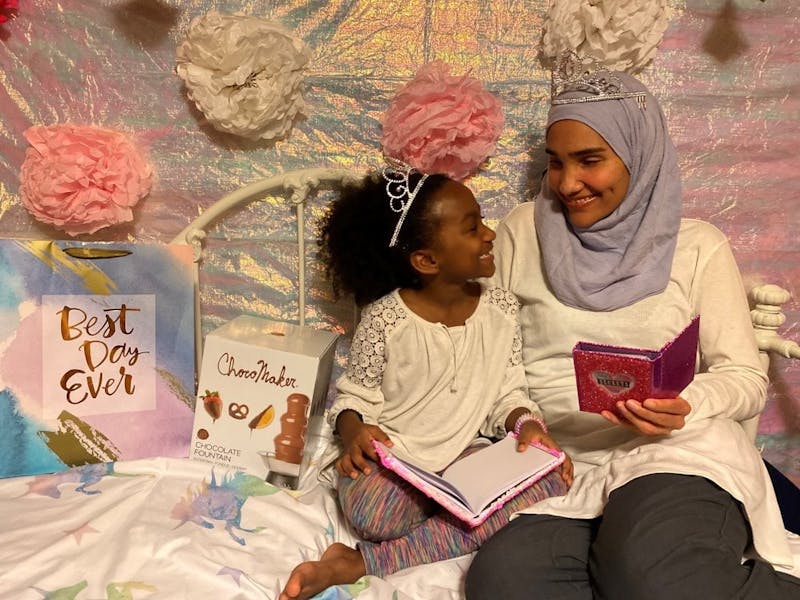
(607, 374)
(477, 485)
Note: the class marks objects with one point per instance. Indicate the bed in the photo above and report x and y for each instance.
(176, 528)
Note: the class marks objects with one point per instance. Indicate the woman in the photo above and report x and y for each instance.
(669, 494)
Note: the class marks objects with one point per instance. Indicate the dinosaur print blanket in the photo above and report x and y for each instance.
(177, 528)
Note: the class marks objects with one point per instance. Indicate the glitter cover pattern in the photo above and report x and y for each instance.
(607, 374)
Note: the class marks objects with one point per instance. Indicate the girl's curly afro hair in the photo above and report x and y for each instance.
(355, 234)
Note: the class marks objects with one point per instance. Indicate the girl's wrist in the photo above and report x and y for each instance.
(348, 420)
(526, 418)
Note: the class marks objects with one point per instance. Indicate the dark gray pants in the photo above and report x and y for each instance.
(661, 536)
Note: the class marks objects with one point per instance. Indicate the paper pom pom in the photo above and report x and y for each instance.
(8, 8)
(440, 123)
(80, 178)
(621, 35)
(245, 74)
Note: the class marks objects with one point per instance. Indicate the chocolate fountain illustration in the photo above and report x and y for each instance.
(284, 463)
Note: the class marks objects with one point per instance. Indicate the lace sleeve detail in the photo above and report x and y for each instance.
(507, 302)
(504, 300)
(516, 347)
(367, 358)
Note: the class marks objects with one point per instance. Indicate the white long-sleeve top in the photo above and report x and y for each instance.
(430, 387)
(729, 386)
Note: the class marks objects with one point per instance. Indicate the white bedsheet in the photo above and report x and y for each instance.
(176, 528)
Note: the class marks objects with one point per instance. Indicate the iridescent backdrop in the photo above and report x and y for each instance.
(727, 72)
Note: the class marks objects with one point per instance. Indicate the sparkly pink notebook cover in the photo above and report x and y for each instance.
(607, 374)
(494, 469)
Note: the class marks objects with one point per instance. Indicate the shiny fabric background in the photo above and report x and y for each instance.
(727, 74)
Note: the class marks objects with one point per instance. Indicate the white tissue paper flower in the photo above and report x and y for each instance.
(245, 74)
(622, 35)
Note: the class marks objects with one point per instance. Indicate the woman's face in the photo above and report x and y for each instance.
(587, 176)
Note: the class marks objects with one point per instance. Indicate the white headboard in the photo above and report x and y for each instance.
(299, 184)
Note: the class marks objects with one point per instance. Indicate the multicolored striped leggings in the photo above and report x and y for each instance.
(403, 528)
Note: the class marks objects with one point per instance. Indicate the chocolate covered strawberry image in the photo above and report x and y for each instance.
(213, 404)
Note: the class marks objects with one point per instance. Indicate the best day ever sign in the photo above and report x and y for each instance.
(96, 353)
(101, 354)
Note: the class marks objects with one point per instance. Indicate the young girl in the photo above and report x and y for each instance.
(435, 362)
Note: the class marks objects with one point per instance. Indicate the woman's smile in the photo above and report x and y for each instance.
(579, 202)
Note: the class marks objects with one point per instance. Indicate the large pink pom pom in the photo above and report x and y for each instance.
(80, 178)
(440, 123)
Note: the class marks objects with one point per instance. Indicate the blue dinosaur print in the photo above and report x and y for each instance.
(86, 475)
(343, 592)
(222, 502)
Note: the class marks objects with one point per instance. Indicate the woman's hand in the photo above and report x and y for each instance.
(654, 416)
(531, 431)
(357, 439)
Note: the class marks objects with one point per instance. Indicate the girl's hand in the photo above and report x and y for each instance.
(532, 432)
(654, 416)
(358, 448)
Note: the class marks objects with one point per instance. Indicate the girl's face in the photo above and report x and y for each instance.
(463, 245)
(587, 176)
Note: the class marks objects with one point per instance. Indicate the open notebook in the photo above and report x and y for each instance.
(477, 485)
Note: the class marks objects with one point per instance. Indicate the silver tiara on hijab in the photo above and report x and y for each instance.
(593, 84)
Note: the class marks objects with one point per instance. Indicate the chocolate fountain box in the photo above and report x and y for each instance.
(261, 395)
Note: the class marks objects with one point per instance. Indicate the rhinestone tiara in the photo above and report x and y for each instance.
(398, 189)
(571, 74)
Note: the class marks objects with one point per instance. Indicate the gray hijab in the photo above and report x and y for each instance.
(626, 256)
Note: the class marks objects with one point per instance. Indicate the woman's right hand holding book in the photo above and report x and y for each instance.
(653, 417)
(357, 439)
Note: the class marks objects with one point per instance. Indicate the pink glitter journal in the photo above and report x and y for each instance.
(477, 485)
(607, 374)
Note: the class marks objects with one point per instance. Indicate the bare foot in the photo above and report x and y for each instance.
(338, 564)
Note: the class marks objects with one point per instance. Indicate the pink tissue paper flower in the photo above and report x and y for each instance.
(7, 9)
(440, 123)
(80, 178)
